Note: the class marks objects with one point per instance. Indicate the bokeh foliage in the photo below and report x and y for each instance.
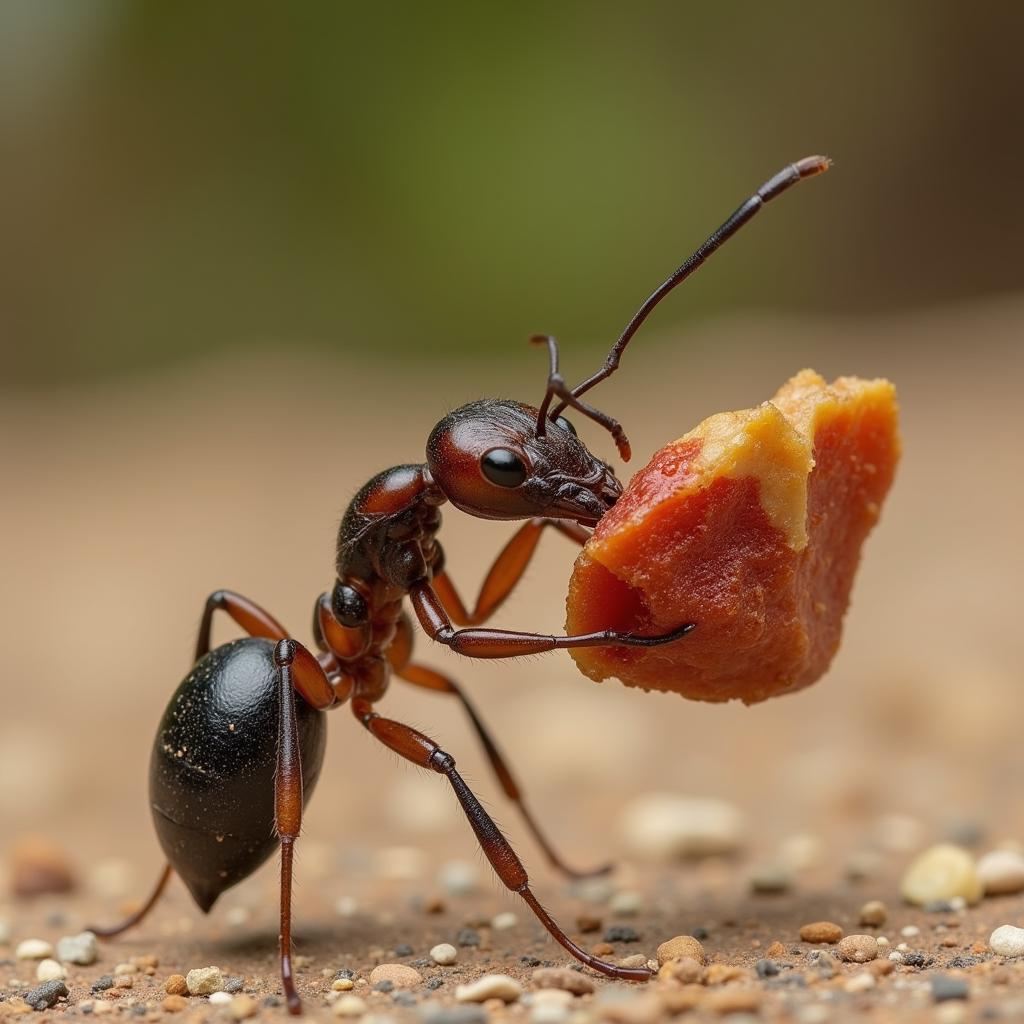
(423, 179)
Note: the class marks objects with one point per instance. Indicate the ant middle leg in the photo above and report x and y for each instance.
(506, 572)
(420, 675)
(421, 750)
(505, 643)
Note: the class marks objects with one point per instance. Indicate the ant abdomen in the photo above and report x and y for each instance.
(211, 777)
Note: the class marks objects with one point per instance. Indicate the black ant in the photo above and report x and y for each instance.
(236, 755)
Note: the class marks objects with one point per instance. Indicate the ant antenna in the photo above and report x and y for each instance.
(557, 388)
(787, 177)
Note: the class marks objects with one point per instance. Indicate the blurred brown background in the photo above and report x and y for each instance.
(251, 253)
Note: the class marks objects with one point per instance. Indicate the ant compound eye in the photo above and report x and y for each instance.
(562, 422)
(503, 467)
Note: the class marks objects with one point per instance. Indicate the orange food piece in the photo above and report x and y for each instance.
(751, 526)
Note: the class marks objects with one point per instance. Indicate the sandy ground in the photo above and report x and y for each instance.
(125, 505)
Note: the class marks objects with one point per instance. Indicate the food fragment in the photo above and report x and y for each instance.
(751, 527)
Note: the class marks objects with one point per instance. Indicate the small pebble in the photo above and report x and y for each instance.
(235, 985)
(204, 981)
(771, 878)
(679, 947)
(468, 1014)
(342, 985)
(399, 975)
(910, 931)
(860, 982)
(82, 949)
(563, 978)
(490, 986)
(821, 931)
(1007, 940)
(668, 826)
(176, 985)
(39, 866)
(33, 949)
(220, 998)
(502, 922)
(174, 1003)
(242, 1007)
(945, 986)
(444, 953)
(940, 873)
(685, 970)
(42, 997)
(587, 923)
(621, 933)
(349, 1006)
(468, 937)
(50, 970)
(459, 877)
(874, 913)
(858, 949)
(635, 960)
(766, 968)
(626, 903)
(102, 983)
(1002, 872)
(123, 969)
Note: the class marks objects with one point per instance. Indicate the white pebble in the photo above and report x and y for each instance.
(896, 956)
(204, 981)
(910, 931)
(490, 986)
(626, 903)
(346, 906)
(502, 922)
(220, 998)
(942, 872)
(33, 949)
(349, 1006)
(1002, 872)
(860, 982)
(459, 877)
(444, 953)
(1007, 940)
(82, 949)
(49, 970)
(668, 826)
(235, 917)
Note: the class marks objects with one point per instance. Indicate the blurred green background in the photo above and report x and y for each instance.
(179, 179)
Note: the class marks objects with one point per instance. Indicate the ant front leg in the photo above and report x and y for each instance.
(421, 750)
(504, 643)
(420, 675)
(506, 572)
(293, 661)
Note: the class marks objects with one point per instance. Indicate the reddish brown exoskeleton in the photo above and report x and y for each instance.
(236, 754)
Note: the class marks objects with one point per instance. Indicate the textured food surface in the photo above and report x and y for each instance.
(751, 526)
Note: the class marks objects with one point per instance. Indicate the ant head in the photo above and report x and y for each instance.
(489, 461)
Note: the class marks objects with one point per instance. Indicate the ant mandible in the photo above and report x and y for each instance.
(236, 756)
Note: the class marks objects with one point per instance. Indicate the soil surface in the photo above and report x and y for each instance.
(133, 500)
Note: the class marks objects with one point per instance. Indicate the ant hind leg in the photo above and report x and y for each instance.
(420, 675)
(143, 911)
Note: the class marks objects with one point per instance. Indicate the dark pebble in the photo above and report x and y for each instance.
(403, 998)
(700, 934)
(42, 997)
(139, 1010)
(435, 983)
(913, 959)
(272, 1001)
(234, 985)
(766, 968)
(938, 907)
(621, 933)
(101, 984)
(384, 986)
(345, 973)
(468, 937)
(421, 962)
(458, 1015)
(403, 950)
(963, 962)
(529, 961)
(944, 987)
(966, 833)
(56, 920)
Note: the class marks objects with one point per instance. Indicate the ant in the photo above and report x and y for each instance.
(236, 755)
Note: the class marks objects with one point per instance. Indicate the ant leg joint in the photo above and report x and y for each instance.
(284, 653)
(442, 762)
